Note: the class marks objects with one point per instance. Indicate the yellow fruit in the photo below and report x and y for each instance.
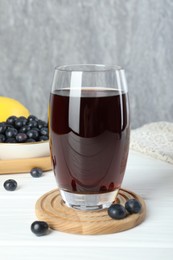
(11, 107)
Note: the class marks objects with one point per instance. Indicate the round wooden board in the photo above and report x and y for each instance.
(51, 208)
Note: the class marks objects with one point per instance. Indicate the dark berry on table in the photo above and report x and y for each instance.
(24, 129)
(2, 138)
(21, 137)
(11, 132)
(2, 128)
(32, 118)
(43, 138)
(44, 131)
(30, 140)
(36, 172)
(133, 206)
(10, 140)
(11, 120)
(39, 228)
(117, 211)
(33, 134)
(32, 124)
(10, 185)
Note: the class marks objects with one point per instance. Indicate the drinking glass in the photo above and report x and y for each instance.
(89, 133)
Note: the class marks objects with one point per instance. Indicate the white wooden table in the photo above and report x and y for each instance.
(153, 239)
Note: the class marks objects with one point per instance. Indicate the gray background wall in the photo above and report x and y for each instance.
(37, 35)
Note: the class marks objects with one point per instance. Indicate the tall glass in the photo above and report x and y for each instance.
(89, 133)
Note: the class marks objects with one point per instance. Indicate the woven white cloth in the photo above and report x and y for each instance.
(154, 139)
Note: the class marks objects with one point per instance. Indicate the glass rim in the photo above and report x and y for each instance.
(88, 68)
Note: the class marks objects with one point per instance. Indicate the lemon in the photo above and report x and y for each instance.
(11, 107)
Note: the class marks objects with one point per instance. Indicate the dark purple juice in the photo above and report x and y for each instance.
(89, 139)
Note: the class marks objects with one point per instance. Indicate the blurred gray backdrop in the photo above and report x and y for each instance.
(37, 35)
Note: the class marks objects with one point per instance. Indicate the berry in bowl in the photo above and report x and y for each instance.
(23, 137)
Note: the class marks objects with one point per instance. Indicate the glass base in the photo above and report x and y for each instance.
(89, 201)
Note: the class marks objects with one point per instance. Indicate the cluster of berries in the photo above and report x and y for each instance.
(22, 130)
(118, 211)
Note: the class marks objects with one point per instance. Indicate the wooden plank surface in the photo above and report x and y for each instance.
(24, 165)
(152, 239)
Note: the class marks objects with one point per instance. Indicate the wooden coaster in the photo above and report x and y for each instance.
(51, 208)
(24, 165)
